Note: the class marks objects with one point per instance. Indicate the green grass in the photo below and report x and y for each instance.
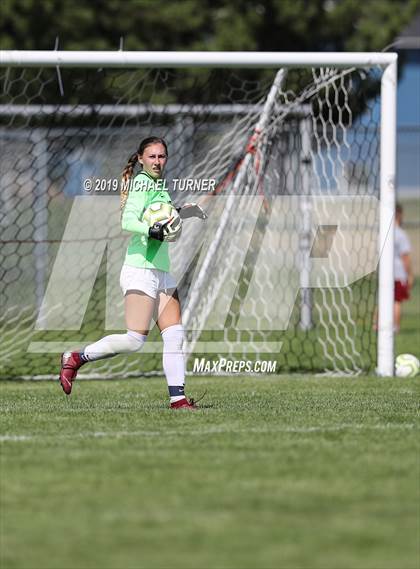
(273, 472)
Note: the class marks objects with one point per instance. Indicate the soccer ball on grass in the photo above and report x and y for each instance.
(407, 365)
(160, 212)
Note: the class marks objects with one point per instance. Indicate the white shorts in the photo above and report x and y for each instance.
(150, 281)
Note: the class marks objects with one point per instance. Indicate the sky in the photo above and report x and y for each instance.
(408, 124)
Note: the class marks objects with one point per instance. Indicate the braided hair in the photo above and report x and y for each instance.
(127, 173)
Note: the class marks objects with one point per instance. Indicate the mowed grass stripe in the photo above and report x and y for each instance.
(204, 432)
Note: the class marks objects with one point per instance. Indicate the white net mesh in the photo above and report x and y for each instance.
(285, 266)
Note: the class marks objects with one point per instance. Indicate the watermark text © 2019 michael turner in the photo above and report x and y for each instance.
(199, 185)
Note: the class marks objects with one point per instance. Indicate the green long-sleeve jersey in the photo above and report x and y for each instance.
(142, 251)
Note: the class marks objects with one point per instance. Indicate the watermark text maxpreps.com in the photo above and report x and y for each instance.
(202, 365)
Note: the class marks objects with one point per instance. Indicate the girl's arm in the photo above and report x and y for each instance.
(133, 212)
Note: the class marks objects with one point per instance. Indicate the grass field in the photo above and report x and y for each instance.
(282, 472)
(273, 472)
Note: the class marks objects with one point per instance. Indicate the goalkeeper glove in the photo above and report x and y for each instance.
(157, 231)
(191, 210)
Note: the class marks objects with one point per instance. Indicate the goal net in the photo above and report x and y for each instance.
(286, 163)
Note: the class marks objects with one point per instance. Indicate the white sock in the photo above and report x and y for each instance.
(112, 345)
(173, 361)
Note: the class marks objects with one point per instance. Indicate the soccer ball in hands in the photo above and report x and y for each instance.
(160, 212)
(406, 365)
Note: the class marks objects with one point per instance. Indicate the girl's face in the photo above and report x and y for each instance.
(153, 159)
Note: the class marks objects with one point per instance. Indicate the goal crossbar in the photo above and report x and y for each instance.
(170, 59)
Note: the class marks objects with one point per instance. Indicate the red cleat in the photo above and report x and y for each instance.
(184, 404)
(70, 363)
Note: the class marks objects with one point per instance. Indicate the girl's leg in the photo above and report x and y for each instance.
(138, 312)
(172, 331)
(168, 309)
(397, 316)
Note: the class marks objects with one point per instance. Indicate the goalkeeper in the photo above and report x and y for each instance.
(145, 280)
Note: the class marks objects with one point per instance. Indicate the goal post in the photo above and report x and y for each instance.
(387, 211)
(265, 130)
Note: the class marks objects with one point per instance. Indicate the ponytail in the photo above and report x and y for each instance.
(126, 175)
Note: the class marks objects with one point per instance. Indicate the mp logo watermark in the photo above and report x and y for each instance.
(241, 271)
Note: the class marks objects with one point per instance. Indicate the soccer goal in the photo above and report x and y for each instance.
(291, 154)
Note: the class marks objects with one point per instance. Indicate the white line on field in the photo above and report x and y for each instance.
(212, 431)
(16, 438)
